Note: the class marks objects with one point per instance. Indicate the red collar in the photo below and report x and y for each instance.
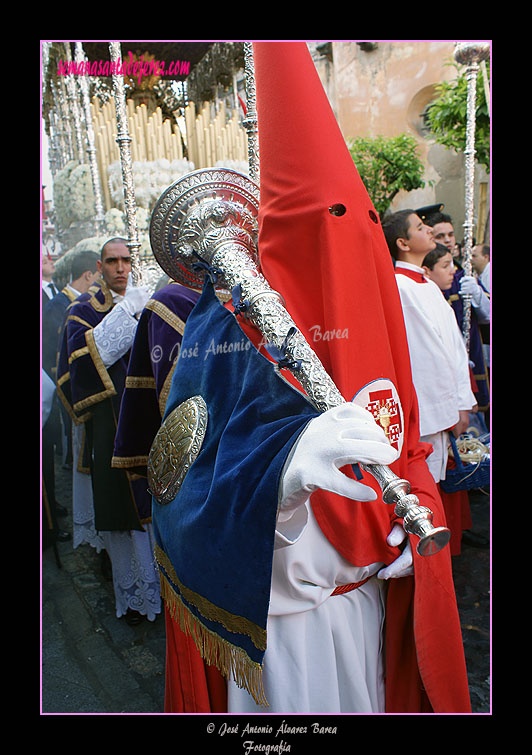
(413, 274)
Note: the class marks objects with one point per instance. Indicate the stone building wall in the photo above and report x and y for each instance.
(382, 89)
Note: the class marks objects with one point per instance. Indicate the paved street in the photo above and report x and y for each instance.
(93, 662)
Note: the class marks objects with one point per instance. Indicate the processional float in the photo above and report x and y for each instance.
(470, 54)
(208, 219)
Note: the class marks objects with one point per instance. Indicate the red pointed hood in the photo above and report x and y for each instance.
(322, 247)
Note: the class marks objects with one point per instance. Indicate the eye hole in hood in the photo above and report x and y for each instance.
(338, 209)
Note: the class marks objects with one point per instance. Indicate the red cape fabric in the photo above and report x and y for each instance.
(191, 685)
(337, 278)
(458, 516)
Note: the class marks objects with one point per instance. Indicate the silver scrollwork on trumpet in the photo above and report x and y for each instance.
(211, 215)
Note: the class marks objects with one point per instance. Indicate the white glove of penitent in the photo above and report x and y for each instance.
(346, 434)
(114, 335)
(470, 287)
(402, 566)
(135, 298)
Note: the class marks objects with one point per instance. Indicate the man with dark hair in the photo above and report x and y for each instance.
(83, 270)
(115, 264)
(398, 227)
(443, 231)
(92, 368)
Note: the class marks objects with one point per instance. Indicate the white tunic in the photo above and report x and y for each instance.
(440, 367)
(324, 652)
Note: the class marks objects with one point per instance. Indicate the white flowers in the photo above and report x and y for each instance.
(150, 179)
(73, 194)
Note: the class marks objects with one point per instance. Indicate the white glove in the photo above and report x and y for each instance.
(470, 287)
(135, 299)
(403, 565)
(346, 434)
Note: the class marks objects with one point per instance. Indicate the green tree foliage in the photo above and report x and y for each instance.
(386, 165)
(447, 116)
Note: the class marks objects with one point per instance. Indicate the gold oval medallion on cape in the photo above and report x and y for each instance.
(175, 447)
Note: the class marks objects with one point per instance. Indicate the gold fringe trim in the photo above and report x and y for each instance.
(233, 623)
(215, 651)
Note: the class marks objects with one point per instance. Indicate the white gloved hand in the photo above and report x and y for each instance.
(135, 299)
(346, 434)
(470, 287)
(403, 565)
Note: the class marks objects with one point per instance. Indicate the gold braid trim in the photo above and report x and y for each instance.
(167, 315)
(77, 419)
(109, 388)
(165, 390)
(107, 297)
(75, 318)
(126, 462)
(215, 651)
(175, 322)
(69, 294)
(78, 353)
(140, 382)
(235, 624)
